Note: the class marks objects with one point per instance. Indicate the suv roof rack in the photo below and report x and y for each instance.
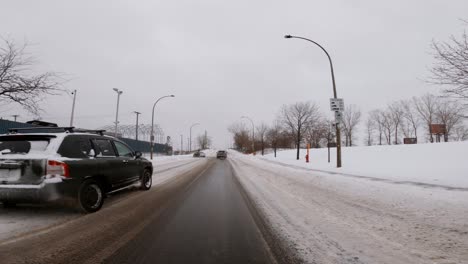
(60, 129)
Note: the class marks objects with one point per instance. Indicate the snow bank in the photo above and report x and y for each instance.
(444, 164)
(329, 217)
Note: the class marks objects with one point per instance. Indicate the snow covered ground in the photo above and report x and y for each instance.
(401, 204)
(25, 219)
(439, 164)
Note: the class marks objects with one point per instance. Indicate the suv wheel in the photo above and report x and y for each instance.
(90, 197)
(146, 180)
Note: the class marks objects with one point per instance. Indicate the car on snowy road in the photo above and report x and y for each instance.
(81, 166)
(221, 154)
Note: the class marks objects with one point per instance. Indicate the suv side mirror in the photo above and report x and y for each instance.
(138, 154)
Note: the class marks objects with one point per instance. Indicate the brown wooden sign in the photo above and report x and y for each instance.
(410, 141)
(438, 129)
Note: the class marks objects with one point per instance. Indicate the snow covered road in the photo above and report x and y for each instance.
(331, 218)
(26, 219)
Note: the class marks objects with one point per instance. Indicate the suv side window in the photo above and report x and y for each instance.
(104, 148)
(75, 147)
(123, 150)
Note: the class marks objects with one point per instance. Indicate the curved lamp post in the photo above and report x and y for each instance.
(338, 132)
(190, 147)
(253, 132)
(152, 123)
(119, 92)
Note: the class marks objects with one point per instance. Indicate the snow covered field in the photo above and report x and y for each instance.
(25, 219)
(443, 164)
(403, 204)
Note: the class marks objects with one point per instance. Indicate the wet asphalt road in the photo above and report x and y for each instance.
(209, 223)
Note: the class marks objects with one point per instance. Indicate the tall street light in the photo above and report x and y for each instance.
(119, 92)
(73, 108)
(190, 147)
(181, 144)
(152, 122)
(136, 127)
(253, 132)
(338, 132)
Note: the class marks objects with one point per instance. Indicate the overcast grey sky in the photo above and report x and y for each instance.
(225, 59)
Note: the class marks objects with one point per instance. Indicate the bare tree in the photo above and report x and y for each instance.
(387, 124)
(460, 133)
(396, 113)
(240, 135)
(427, 106)
(451, 66)
(273, 135)
(450, 114)
(351, 118)
(261, 135)
(296, 117)
(377, 118)
(316, 133)
(411, 117)
(370, 128)
(17, 82)
(204, 141)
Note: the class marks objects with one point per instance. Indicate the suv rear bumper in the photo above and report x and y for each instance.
(47, 191)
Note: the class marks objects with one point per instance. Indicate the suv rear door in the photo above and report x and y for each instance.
(132, 166)
(111, 166)
(78, 149)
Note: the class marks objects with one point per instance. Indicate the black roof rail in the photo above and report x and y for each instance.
(97, 131)
(60, 129)
(16, 130)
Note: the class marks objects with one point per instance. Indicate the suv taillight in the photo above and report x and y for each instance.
(57, 168)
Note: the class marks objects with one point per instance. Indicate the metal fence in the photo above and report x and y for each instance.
(143, 146)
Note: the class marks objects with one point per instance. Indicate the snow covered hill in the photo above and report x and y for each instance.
(444, 164)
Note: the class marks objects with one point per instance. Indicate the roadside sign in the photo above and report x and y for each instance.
(410, 141)
(336, 104)
(338, 117)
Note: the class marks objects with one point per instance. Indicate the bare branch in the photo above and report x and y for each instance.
(18, 84)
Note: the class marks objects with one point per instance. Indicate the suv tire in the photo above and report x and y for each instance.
(146, 180)
(90, 197)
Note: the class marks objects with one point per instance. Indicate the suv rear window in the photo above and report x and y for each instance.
(23, 144)
(104, 148)
(75, 147)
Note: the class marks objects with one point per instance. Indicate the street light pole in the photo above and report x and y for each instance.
(181, 144)
(73, 108)
(253, 132)
(190, 147)
(119, 92)
(338, 132)
(152, 123)
(136, 127)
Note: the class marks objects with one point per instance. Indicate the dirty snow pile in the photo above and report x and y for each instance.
(388, 204)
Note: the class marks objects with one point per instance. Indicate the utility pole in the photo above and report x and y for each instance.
(152, 123)
(119, 92)
(335, 96)
(15, 116)
(181, 144)
(205, 140)
(73, 108)
(136, 128)
(190, 142)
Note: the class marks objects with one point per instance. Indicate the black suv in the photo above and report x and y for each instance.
(221, 154)
(71, 165)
